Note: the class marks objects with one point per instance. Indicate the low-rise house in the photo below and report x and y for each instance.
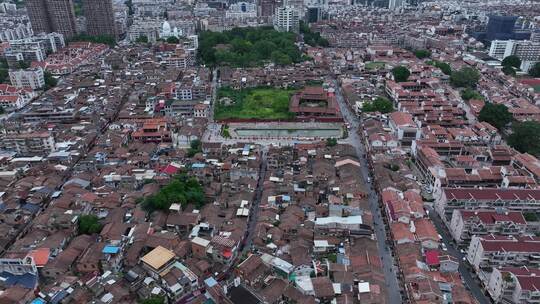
(426, 233)
(158, 262)
(404, 128)
(252, 270)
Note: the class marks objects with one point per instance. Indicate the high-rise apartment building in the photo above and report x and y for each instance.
(395, 4)
(99, 18)
(29, 78)
(39, 17)
(287, 19)
(527, 51)
(52, 16)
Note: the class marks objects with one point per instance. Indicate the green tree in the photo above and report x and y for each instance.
(312, 38)
(401, 73)
(246, 47)
(142, 39)
(153, 300)
(23, 64)
(330, 142)
(495, 114)
(530, 216)
(77, 7)
(421, 54)
(468, 94)
(2, 111)
(380, 104)
(182, 190)
(173, 40)
(104, 39)
(535, 70)
(465, 77)
(280, 58)
(4, 75)
(443, 66)
(50, 81)
(525, 137)
(509, 70)
(512, 61)
(194, 147)
(89, 224)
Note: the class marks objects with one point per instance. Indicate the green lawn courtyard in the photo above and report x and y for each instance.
(253, 103)
(373, 65)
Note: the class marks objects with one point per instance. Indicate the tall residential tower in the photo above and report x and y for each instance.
(99, 18)
(52, 16)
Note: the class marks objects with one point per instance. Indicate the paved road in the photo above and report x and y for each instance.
(392, 285)
(254, 212)
(470, 282)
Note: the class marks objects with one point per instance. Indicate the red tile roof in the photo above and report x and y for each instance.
(432, 257)
(491, 216)
(491, 194)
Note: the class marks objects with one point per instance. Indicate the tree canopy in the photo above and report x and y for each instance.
(181, 190)
(21, 64)
(509, 70)
(421, 54)
(4, 75)
(330, 142)
(443, 66)
(173, 40)
(511, 61)
(401, 73)
(465, 77)
(244, 47)
(535, 70)
(194, 147)
(89, 224)
(153, 300)
(525, 137)
(468, 94)
(380, 104)
(312, 38)
(105, 39)
(495, 114)
(50, 81)
(142, 39)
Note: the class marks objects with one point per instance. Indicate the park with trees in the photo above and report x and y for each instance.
(248, 47)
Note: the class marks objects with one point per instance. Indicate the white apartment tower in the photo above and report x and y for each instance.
(287, 19)
(527, 51)
(395, 4)
(29, 78)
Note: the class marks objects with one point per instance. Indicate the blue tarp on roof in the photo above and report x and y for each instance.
(26, 280)
(111, 249)
(210, 282)
(31, 207)
(38, 301)
(59, 297)
(198, 165)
